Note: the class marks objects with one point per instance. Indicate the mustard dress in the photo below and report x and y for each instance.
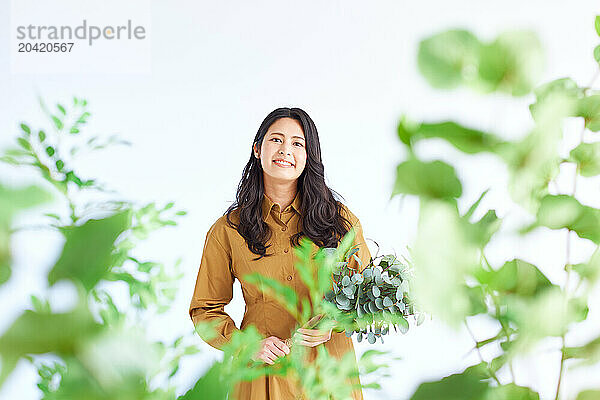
(226, 257)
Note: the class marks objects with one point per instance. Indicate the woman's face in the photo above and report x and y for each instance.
(284, 140)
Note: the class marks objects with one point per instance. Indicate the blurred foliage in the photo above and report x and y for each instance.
(99, 350)
(326, 377)
(456, 57)
(12, 201)
(453, 279)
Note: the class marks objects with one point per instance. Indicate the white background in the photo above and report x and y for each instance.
(218, 68)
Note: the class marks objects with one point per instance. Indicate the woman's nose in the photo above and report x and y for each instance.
(285, 148)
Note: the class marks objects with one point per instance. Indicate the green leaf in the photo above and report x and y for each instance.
(534, 161)
(305, 266)
(589, 394)
(518, 277)
(512, 63)
(511, 392)
(477, 300)
(589, 353)
(74, 130)
(50, 151)
(60, 164)
(443, 255)
(12, 201)
(563, 211)
(474, 206)
(597, 53)
(579, 307)
(434, 179)
(57, 122)
(24, 143)
(406, 129)
(87, 253)
(62, 334)
(25, 129)
(597, 24)
(589, 108)
(39, 305)
(206, 329)
(545, 314)
(449, 59)
(61, 109)
(587, 158)
(482, 231)
(467, 140)
(591, 269)
(42, 135)
(83, 118)
(71, 177)
(558, 88)
(453, 387)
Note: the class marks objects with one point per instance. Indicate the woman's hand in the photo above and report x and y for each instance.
(312, 337)
(270, 349)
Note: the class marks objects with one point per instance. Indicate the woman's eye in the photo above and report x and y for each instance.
(294, 142)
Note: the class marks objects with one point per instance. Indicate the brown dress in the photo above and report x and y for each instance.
(226, 257)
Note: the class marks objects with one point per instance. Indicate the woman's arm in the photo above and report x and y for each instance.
(214, 290)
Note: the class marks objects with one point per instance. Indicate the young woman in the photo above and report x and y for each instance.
(282, 196)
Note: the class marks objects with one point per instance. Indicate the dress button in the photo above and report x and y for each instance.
(285, 250)
(289, 278)
(284, 228)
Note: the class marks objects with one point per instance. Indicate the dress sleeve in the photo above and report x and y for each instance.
(214, 290)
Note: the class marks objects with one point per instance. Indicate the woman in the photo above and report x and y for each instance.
(282, 196)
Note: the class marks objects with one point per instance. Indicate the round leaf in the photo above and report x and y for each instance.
(376, 291)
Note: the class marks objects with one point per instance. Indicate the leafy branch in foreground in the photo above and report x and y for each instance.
(100, 238)
(326, 377)
(449, 254)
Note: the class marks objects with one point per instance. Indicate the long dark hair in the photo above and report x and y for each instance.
(321, 218)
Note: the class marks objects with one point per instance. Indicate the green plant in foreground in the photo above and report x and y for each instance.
(449, 254)
(87, 342)
(326, 377)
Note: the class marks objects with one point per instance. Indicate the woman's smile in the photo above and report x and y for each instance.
(283, 164)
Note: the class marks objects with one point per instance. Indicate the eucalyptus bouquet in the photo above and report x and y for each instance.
(370, 300)
(377, 297)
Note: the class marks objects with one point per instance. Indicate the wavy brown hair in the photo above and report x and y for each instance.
(321, 218)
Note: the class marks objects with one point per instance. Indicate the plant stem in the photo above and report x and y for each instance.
(493, 374)
(568, 253)
(505, 331)
(502, 324)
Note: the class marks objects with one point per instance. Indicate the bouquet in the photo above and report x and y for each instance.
(370, 301)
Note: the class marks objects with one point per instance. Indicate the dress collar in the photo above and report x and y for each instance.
(267, 205)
